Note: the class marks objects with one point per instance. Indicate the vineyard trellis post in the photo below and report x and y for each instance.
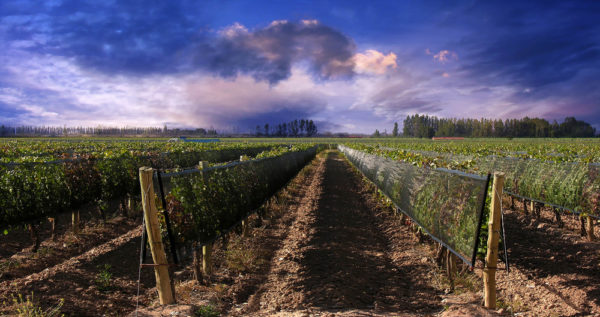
(75, 221)
(161, 271)
(207, 259)
(245, 220)
(491, 259)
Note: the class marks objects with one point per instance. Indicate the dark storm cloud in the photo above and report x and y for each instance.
(123, 36)
(282, 113)
(166, 37)
(268, 53)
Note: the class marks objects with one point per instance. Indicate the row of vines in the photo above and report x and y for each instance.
(203, 204)
(34, 189)
(574, 186)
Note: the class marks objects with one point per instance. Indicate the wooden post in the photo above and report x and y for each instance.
(206, 259)
(245, 227)
(245, 221)
(35, 237)
(75, 221)
(590, 228)
(525, 206)
(52, 221)
(557, 216)
(161, 270)
(451, 268)
(491, 259)
(197, 271)
(202, 165)
(439, 258)
(582, 224)
(532, 207)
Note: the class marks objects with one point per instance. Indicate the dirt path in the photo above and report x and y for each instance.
(337, 257)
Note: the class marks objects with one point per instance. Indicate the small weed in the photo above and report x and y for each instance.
(241, 258)
(514, 306)
(104, 278)
(9, 265)
(43, 252)
(207, 311)
(26, 306)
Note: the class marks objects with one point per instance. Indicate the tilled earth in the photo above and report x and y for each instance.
(338, 257)
(554, 271)
(327, 246)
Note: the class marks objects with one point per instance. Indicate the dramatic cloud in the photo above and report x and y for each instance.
(238, 64)
(374, 62)
(269, 53)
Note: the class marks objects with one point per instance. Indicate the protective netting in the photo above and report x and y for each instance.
(33, 190)
(571, 186)
(204, 203)
(448, 205)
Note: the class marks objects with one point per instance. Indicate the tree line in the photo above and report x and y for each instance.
(424, 126)
(295, 128)
(19, 131)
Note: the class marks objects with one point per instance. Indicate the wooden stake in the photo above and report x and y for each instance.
(582, 224)
(491, 259)
(206, 259)
(161, 271)
(558, 218)
(75, 221)
(451, 268)
(245, 227)
(197, 271)
(590, 229)
(525, 206)
(52, 228)
(35, 237)
(202, 165)
(439, 258)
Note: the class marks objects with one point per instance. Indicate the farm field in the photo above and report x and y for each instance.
(319, 226)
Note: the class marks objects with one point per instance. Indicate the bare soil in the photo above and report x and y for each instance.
(326, 245)
(554, 271)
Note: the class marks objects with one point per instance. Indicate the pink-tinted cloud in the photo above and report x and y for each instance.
(374, 62)
(444, 56)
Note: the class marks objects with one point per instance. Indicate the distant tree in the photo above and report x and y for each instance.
(258, 130)
(266, 129)
(395, 131)
(311, 129)
(302, 126)
(376, 134)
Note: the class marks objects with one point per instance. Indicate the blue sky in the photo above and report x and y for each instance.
(349, 65)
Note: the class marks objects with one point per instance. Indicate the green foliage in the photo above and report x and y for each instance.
(207, 311)
(104, 278)
(444, 203)
(202, 205)
(555, 173)
(26, 306)
(89, 172)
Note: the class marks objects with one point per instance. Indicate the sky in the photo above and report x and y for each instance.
(351, 66)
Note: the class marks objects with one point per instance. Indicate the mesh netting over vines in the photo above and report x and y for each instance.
(447, 204)
(575, 186)
(204, 203)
